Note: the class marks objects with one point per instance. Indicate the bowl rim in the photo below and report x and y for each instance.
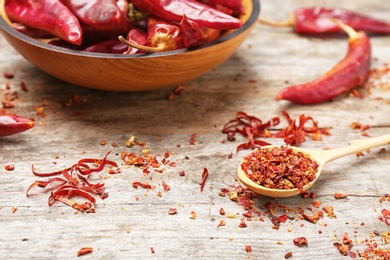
(251, 20)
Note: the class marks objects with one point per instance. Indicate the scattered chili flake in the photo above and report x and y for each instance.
(193, 215)
(221, 223)
(300, 241)
(131, 141)
(316, 204)
(339, 195)
(165, 186)
(248, 248)
(288, 255)
(385, 217)
(103, 142)
(243, 224)
(221, 211)
(172, 211)
(182, 173)
(205, 174)
(23, 86)
(313, 218)
(280, 168)
(175, 92)
(9, 167)
(14, 209)
(193, 139)
(152, 250)
(8, 75)
(329, 211)
(84, 251)
(144, 185)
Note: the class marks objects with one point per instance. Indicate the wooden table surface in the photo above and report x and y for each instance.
(74, 123)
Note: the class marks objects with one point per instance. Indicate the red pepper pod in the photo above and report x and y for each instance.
(350, 72)
(97, 13)
(204, 15)
(317, 20)
(108, 46)
(235, 5)
(137, 36)
(13, 124)
(48, 15)
(163, 35)
(195, 35)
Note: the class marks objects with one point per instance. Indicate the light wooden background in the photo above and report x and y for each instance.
(125, 227)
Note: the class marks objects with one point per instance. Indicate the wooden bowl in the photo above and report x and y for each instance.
(137, 72)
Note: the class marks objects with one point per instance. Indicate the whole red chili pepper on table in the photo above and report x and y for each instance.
(351, 72)
(314, 20)
(173, 10)
(13, 124)
(48, 15)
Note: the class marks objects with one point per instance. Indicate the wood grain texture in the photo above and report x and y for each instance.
(124, 227)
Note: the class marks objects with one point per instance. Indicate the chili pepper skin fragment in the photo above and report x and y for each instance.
(48, 15)
(98, 13)
(204, 15)
(315, 20)
(352, 71)
(13, 124)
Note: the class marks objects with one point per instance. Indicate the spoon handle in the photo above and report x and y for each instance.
(355, 146)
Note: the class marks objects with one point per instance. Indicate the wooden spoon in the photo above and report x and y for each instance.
(321, 157)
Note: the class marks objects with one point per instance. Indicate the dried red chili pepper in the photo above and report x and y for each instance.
(314, 20)
(300, 241)
(163, 35)
(173, 10)
(235, 5)
(195, 35)
(109, 46)
(97, 13)
(350, 72)
(14, 124)
(48, 15)
(138, 36)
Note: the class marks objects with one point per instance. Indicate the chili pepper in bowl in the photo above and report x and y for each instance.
(235, 5)
(195, 35)
(137, 36)
(48, 15)
(350, 72)
(162, 36)
(13, 124)
(97, 13)
(315, 20)
(173, 10)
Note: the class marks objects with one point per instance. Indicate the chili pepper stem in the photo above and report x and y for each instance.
(348, 29)
(288, 23)
(159, 48)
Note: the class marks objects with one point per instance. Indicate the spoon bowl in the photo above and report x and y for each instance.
(320, 156)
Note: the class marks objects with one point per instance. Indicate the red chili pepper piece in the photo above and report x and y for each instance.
(351, 72)
(85, 250)
(235, 5)
(204, 15)
(48, 15)
(109, 46)
(314, 20)
(163, 35)
(205, 175)
(13, 124)
(137, 36)
(97, 13)
(195, 35)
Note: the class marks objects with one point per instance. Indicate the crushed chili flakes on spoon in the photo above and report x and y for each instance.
(74, 181)
(280, 168)
(254, 128)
